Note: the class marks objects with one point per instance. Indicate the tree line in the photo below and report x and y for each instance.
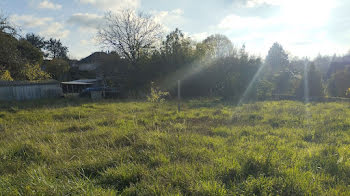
(142, 55)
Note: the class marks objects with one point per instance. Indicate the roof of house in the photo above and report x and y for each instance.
(96, 56)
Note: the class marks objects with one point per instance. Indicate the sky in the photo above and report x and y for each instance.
(305, 28)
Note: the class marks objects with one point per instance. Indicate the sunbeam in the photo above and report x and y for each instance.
(256, 76)
(170, 81)
(307, 97)
(306, 84)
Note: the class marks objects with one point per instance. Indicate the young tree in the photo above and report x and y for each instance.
(56, 49)
(129, 34)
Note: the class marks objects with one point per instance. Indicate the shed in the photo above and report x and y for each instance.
(25, 90)
(77, 86)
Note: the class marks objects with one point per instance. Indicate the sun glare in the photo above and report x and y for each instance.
(308, 13)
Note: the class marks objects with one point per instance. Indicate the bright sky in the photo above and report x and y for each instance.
(303, 27)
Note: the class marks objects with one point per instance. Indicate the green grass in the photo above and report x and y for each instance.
(70, 147)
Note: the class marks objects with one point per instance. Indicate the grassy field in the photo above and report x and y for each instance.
(69, 147)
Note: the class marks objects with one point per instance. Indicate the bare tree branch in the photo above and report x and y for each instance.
(130, 34)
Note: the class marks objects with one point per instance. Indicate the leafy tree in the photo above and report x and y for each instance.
(339, 83)
(56, 49)
(9, 55)
(176, 50)
(227, 77)
(29, 52)
(131, 35)
(57, 68)
(312, 81)
(283, 82)
(323, 63)
(36, 40)
(218, 46)
(19, 59)
(296, 65)
(277, 58)
(15, 54)
(338, 64)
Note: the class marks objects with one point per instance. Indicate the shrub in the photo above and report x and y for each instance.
(157, 95)
(5, 75)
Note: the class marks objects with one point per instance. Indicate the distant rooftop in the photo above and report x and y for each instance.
(82, 82)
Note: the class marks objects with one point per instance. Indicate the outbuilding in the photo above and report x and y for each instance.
(77, 86)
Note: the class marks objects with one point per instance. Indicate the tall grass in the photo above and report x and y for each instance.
(69, 147)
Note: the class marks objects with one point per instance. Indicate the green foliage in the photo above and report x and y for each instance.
(313, 82)
(34, 72)
(227, 77)
(36, 40)
(9, 55)
(29, 52)
(156, 95)
(20, 59)
(176, 48)
(218, 46)
(277, 58)
(283, 83)
(77, 147)
(348, 92)
(56, 49)
(176, 52)
(339, 84)
(263, 89)
(5, 75)
(58, 68)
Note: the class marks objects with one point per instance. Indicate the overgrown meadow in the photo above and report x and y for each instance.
(69, 147)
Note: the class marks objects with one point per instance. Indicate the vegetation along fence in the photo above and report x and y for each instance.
(313, 98)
